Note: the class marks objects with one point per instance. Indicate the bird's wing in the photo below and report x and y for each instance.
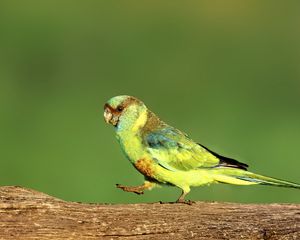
(175, 151)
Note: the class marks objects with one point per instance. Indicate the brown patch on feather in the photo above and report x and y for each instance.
(153, 122)
(129, 101)
(111, 109)
(124, 105)
(145, 167)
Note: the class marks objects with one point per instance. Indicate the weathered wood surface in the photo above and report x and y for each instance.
(27, 214)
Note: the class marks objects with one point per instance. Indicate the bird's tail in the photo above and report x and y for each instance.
(242, 177)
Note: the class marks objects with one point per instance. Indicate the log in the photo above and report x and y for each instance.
(28, 214)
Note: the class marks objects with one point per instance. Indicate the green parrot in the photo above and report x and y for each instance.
(165, 155)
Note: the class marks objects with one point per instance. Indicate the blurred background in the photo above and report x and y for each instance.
(225, 72)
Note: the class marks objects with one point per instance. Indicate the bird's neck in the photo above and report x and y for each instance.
(130, 134)
(132, 123)
(129, 137)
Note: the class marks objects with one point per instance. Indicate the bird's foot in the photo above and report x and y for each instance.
(136, 190)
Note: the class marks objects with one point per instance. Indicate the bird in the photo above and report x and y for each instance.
(168, 156)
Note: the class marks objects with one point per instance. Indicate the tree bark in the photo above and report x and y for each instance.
(28, 214)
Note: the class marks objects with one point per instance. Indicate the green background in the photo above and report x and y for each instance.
(225, 72)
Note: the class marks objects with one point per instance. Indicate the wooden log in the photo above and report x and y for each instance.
(28, 214)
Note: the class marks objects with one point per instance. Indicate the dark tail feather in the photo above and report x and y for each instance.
(225, 161)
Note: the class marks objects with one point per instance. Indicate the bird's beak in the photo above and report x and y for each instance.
(107, 115)
(110, 116)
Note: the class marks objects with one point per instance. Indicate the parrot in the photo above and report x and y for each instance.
(168, 156)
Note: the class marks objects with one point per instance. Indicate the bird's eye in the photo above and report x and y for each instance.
(120, 108)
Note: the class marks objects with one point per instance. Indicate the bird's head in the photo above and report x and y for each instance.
(123, 111)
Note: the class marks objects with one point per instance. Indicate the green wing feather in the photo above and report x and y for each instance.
(175, 151)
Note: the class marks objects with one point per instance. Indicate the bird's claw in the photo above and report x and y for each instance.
(130, 189)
